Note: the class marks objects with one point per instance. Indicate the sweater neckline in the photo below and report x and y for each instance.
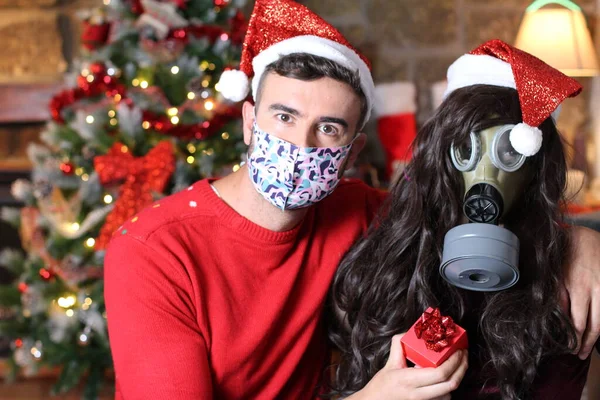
(241, 224)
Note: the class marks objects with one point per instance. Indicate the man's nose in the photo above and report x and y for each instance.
(304, 136)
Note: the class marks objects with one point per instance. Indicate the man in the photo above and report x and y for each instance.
(217, 291)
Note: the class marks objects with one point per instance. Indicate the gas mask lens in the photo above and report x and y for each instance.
(465, 155)
(503, 155)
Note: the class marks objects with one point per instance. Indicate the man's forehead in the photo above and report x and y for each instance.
(273, 83)
(296, 92)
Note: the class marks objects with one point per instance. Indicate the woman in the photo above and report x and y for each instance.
(520, 338)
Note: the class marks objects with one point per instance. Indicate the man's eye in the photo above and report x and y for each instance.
(284, 117)
(328, 129)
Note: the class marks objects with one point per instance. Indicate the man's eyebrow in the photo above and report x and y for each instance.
(281, 107)
(335, 120)
(292, 111)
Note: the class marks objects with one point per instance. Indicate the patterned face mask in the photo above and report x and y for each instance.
(290, 176)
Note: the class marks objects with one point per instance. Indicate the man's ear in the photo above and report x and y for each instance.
(359, 144)
(248, 121)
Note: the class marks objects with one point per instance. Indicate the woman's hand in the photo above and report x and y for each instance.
(581, 293)
(396, 381)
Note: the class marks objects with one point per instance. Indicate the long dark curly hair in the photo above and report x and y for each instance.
(389, 277)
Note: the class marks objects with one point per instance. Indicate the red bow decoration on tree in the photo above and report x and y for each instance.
(142, 176)
(435, 329)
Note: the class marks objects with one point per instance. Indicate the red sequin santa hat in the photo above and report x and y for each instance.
(540, 87)
(281, 27)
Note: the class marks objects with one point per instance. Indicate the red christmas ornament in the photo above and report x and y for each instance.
(136, 7)
(67, 168)
(45, 274)
(94, 36)
(22, 287)
(142, 176)
(18, 343)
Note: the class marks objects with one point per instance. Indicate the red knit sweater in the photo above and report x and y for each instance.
(202, 303)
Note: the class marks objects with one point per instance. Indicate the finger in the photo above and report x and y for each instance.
(396, 358)
(564, 299)
(439, 390)
(450, 366)
(460, 372)
(579, 314)
(420, 377)
(448, 386)
(593, 329)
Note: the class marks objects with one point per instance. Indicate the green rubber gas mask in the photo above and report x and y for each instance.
(494, 173)
(481, 255)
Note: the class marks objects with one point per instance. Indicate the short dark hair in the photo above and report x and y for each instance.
(308, 67)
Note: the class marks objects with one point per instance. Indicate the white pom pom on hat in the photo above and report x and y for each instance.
(541, 88)
(234, 85)
(526, 139)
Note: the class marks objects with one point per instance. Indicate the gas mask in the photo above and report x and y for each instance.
(481, 255)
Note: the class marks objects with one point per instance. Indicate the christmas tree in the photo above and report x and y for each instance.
(142, 118)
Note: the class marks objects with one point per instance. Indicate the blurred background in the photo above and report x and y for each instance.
(90, 89)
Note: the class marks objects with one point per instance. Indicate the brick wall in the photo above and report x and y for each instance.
(39, 38)
(417, 40)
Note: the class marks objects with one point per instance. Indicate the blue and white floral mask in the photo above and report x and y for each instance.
(290, 176)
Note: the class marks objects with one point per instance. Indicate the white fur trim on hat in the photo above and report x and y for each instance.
(526, 139)
(317, 46)
(471, 70)
(395, 98)
(234, 85)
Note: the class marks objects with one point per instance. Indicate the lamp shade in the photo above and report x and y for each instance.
(560, 38)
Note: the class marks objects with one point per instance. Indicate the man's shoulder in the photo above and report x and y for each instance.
(175, 210)
(353, 201)
(357, 192)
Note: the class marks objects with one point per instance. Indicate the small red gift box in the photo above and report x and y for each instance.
(432, 339)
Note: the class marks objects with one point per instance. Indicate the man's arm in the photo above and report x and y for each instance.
(158, 350)
(582, 287)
